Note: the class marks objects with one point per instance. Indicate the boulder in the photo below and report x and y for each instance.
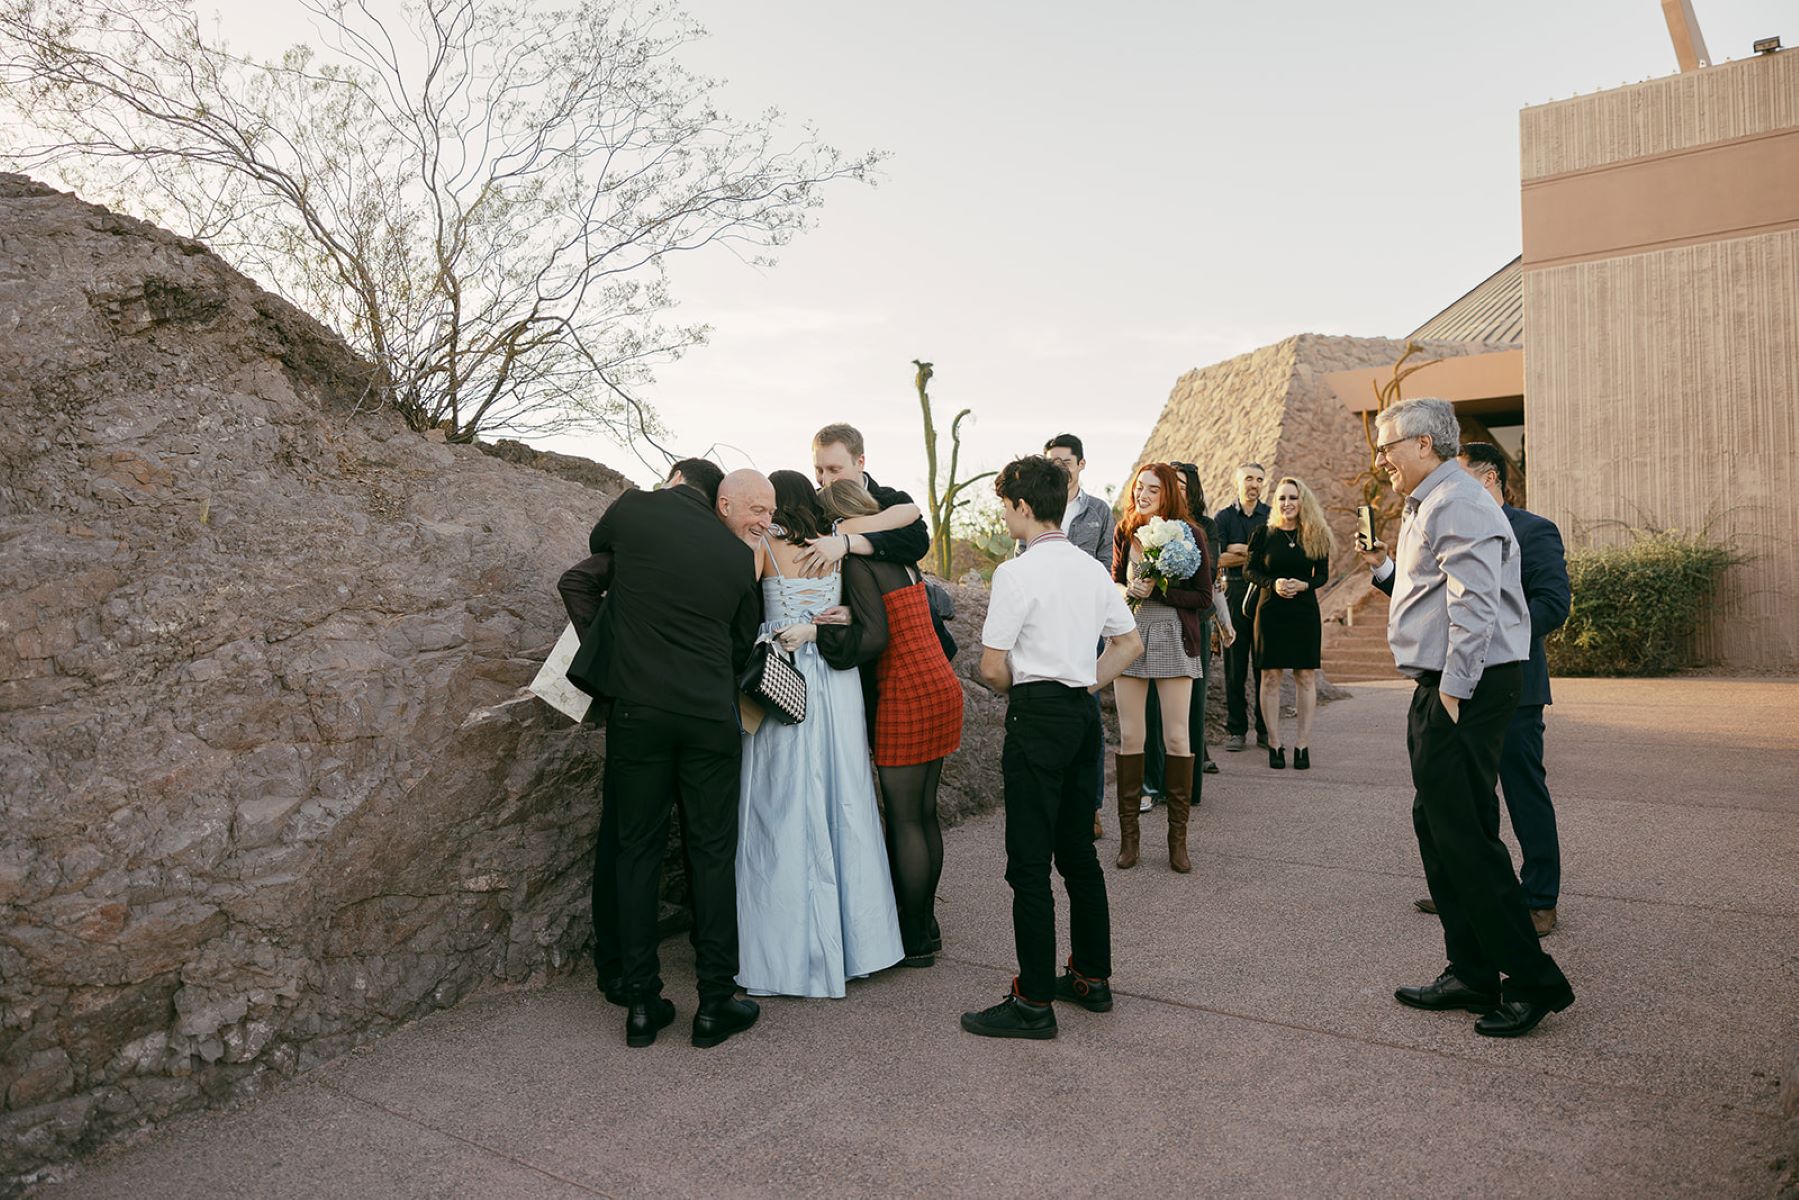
(268, 785)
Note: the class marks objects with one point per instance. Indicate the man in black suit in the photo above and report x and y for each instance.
(1521, 774)
(1236, 522)
(677, 625)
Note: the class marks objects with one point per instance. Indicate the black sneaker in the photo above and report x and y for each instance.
(1013, 1017)
(1094, 995)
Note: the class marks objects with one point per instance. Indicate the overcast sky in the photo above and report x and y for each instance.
(1085, 201)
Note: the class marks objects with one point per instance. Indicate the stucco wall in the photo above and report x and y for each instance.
(1663, 384)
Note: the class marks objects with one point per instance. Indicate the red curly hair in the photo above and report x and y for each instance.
(1170, 506)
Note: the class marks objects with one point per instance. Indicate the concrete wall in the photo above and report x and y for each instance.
(1662, 362)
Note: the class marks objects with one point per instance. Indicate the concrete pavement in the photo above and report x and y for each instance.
(1256, 1048)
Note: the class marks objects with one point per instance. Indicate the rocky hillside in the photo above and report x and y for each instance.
(268, 782)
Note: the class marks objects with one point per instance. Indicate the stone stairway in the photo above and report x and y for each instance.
(1355, 649)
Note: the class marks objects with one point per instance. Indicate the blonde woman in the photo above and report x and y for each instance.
(1289, 560)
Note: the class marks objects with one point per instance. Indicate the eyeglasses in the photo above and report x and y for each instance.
(1381, 450)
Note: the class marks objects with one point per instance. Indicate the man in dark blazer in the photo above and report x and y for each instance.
(1521, 774)
(677, 626)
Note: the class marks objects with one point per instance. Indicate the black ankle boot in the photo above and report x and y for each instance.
(1302, 758)
(1277, 758)
(645, 1018)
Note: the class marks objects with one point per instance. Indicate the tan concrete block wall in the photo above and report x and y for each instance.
(1733, 100)
(1664, 390)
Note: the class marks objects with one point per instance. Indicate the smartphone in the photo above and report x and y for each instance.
(1364, 531)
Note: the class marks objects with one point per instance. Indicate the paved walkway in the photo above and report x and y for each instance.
(1256, 1048)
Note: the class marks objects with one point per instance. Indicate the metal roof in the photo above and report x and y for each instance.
(1492, 314)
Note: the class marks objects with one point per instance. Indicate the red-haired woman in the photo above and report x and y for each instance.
(1173, 657)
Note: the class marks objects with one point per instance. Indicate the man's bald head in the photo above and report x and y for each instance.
(746, 501)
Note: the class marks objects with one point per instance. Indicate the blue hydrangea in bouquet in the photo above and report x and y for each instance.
(1170, 554)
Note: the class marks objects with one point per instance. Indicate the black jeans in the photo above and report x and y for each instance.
(654, 758)
(1240, 667)
(1455, 766)
(1050, 757)
(1526, 787)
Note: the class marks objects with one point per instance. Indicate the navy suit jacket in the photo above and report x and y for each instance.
(1546, 590)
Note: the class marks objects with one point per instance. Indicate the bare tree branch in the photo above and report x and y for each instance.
(480, 195)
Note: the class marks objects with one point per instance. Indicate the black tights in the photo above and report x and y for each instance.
(914, 846)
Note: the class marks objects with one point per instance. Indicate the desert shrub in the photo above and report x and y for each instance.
(1636, 606)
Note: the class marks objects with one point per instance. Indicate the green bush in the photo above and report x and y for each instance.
(1637, 606)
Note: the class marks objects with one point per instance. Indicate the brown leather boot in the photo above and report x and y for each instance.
(1179, 788)
(1130, 794)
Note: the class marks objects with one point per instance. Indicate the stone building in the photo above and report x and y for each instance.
(1661, 302)
(1294, 407)
(1658, 296)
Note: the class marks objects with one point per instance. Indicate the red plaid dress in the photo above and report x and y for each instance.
(918, 718)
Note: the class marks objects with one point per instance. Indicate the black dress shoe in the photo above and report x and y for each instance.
(723, 1018)
(1446, 993)
(1302, 758)
(1515, 1018)
(644, 1017)
(1277, 758)
(918, 960)
(1426, 905)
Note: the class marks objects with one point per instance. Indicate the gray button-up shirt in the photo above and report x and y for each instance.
(1458, 591)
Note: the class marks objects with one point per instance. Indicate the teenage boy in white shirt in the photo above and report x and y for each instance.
(1049, 608)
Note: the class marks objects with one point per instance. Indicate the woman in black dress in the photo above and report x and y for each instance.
(1289, 560)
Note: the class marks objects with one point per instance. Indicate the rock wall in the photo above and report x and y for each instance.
(269, 785)
(266, 784)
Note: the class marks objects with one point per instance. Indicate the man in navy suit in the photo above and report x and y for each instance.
(1521, 774)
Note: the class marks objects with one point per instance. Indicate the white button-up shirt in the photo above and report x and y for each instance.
(1458, 596)
(1049, 607)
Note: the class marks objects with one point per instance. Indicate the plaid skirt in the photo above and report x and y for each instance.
(918, 716)
(1163, 657)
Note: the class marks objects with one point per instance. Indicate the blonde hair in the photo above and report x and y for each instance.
(847, 498)
(1315, 536)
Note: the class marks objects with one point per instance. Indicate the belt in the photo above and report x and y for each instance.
(1435, 678)
(1043, 689)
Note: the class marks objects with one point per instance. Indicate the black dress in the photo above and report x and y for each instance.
(1289, 632)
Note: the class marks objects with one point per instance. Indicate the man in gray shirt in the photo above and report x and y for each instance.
(1459, 625)
(1088, 524)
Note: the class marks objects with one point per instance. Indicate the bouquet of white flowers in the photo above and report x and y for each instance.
(1169, 554)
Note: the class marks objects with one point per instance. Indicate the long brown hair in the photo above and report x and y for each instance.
(796, 507)
(1169, 507)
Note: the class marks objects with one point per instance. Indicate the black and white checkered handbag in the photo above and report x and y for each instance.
(772, 681)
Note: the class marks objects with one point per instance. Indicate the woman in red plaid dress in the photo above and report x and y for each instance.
(914, 704)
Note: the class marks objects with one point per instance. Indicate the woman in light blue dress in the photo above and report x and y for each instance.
(815, 905)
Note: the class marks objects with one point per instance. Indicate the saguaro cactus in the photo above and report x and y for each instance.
(945, 500)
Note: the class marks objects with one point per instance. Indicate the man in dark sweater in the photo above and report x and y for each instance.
(837, 453)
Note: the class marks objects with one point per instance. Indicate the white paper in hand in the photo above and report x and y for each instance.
(552, 685)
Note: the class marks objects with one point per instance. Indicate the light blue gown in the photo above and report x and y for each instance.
(815, 900)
